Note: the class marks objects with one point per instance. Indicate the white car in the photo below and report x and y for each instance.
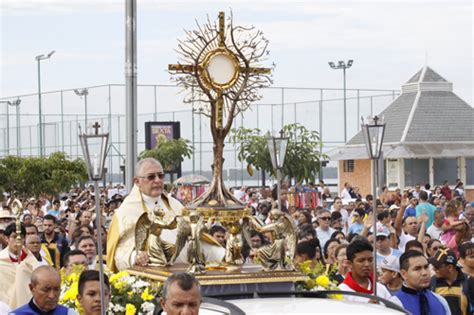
(293, 303)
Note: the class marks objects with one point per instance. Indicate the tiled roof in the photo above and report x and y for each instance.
(441, 116)
(427, 111)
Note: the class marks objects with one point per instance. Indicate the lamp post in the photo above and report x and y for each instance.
(83, 92)
(41, 136)
(342, 65)
(94, 148)
(15, 103)
(277, 147)
(373, 131)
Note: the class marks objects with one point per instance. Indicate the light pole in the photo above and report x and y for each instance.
(277, 148)
(83, 92)
(94, 148)
(15, 103)
(373, 131)
(342, 65)
(41, 136)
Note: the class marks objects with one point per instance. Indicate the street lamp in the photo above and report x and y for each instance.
(41, 136)
(94, 148)
(277, 147)
(373, 131)
(15, 103)
(342, 65)
(83, 92)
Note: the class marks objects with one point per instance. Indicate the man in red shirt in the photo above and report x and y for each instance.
(446, 191)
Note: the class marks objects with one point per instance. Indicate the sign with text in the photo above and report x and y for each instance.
(156, 130)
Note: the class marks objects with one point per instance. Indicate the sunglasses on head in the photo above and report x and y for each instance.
(153, 176)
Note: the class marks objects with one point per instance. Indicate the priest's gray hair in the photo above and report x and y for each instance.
(139, 165)
(186, 282)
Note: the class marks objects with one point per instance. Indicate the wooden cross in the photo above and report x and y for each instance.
(96, 126)
(186, 68)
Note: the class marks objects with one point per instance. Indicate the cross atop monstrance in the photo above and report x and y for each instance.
(218, 69)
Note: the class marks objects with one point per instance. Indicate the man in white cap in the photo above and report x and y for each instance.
(5, 219)
(390, 274)
(383, 244)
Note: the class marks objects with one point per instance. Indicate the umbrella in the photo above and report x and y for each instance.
(191, 180)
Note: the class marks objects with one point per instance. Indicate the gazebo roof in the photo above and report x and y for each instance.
(426, 114)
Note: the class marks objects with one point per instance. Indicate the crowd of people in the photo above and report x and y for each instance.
(424, 241)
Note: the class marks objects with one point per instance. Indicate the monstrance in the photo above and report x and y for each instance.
(221, 67)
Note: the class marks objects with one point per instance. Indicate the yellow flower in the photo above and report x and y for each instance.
(117, 276)
(130, 293)
(322, 281)
(146, 296)
(119, 286)
(305, 267)
(73, 277)
(130, 309)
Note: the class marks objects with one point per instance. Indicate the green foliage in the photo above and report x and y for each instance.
(32, 176)
(302, 155)
(170, 153)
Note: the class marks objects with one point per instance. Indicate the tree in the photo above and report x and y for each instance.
(170, 153)
(202, 53)
(302, 155)
(32, 176)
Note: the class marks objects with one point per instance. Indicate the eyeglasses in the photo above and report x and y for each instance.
(325, 218)
(152, 177)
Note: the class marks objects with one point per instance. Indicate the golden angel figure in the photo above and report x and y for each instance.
(278, 255)
(191, 232)
(147, 237)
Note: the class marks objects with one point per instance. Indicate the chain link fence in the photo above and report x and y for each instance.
(63, 111)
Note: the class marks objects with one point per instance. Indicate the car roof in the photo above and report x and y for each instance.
(293, 305)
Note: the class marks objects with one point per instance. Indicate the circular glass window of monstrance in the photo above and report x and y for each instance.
(222, 69)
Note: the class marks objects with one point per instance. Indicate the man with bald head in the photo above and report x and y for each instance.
(45, 286)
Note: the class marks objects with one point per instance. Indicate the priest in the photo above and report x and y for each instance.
(147, 194)
(15, 271)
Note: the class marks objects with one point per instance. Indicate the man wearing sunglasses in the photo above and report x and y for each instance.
(146, 195)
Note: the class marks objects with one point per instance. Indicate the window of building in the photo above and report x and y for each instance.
(349, 166)
(417, 171)
(469, 171)
(445, 169)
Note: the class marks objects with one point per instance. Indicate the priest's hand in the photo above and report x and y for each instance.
(142, 259)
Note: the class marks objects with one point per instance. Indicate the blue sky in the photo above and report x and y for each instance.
(388, 40)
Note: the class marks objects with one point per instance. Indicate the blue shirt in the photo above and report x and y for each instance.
(32, 309)
(410, 300)
(427, 208)
(410, 211)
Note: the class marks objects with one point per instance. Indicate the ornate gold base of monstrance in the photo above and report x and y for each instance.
(222, 76)
(230, 279)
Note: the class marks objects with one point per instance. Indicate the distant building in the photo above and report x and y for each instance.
(429, 138)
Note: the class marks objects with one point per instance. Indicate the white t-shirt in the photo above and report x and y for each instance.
(434, 231)
(345, 194)
(381, 292)
(324, 235)
(404, 239)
